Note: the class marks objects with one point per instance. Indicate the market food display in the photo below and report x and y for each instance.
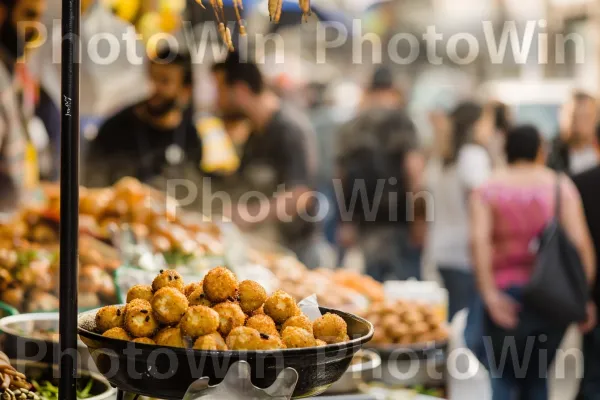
(29, 275)
(218, 313)
(12, 382)
(334, 288)
(405, 323)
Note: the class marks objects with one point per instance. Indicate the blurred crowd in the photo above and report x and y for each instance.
(330, 179)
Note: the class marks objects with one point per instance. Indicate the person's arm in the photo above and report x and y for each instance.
(573, 221)
(502, 309)
(473, 166)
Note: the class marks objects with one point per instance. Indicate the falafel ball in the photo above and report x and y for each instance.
(191, 288)
(198, 298)
(259, 311)
(117, 333)
(252, 296)
(295, 338)
(137, 303)
(169, 305)
(199, 321)
(230, 316)
(264, 324)
(320, 343)
(270, 342)
(170, 337)
(144, 340)
(143, 292)
(168, 278)
(140, 321)
(244, 338)
(330, 328)
(299, 321)
(109, 317)
(220, 284)
(280, 306)
(213, 341)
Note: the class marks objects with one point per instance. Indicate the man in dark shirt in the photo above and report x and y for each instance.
(278, 161)
(154, 140)
(588, 184)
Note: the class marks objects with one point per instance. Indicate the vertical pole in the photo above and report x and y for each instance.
(69, 197)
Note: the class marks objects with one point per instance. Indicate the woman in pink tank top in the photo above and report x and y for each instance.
(508, 213)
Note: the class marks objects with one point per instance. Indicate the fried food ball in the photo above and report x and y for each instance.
(412, 317)
(169, 305)
(330, 328)
(40, 301)
(220, 284)
(299, 321)
(389, 322)
(144, 340)
(259, 311)
(280, 306)
(320, 343)
(109, 317)
(419, 328)
(199, 321)
(117, 333)
(143, 292)
(264, 324)
(191, 288)
(244, 338)
(252, 296)
(295, 338)
(270, 342)
(140, 321)
(198, 298)
(170, 337)
(137, 303)
(399, 330)
(213, 341)
(168, 278)
(230, 316)
(379, 336)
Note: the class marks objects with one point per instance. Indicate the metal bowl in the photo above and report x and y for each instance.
(412, 365)
(21, 343)
(100, 390)
(168, 372)
(355, 375)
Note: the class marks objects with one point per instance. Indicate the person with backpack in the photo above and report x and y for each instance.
(513, 327)
(380, 168)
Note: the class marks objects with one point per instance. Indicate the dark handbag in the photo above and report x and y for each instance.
(558, 289)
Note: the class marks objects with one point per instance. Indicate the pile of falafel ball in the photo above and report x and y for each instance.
(216, 314)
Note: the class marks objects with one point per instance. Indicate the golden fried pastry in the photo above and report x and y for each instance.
(243, 338)
(270, 342)
(230, 316)
(281, 306)
(143, 292)
(144, 340)
(199, 321)
(294, 338)
(191, 287)
(168, 278)
(398, 331)
(330, 328)
(259, 311)
(213, 341)
(109, 317)
(320, 343)
(252, 296)
(169, 305)
(220, 284)
(13, 296)
(198, 298)
(264, 324)
(117, 333)
(170, 337)
(299, 321)
(140, 321)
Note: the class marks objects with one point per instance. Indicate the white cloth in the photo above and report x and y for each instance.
(449, 242)
(104, 88)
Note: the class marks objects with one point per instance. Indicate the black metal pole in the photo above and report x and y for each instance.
(69, 197)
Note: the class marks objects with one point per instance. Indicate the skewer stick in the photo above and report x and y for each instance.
(69, 197)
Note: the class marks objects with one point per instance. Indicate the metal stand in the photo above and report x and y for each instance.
(69, 197)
